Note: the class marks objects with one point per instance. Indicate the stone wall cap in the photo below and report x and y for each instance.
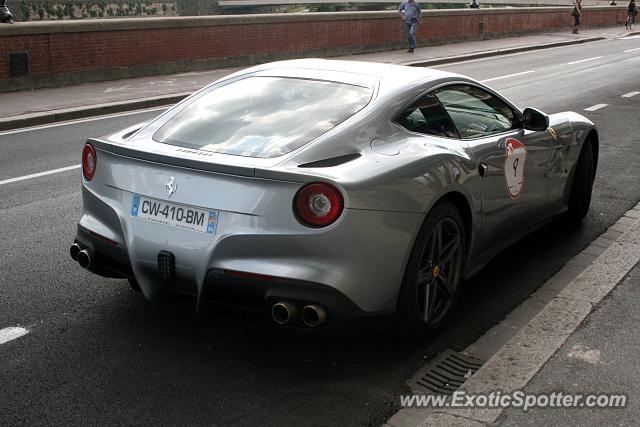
(119, 24)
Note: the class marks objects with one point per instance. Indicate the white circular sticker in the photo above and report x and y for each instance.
(514, 166)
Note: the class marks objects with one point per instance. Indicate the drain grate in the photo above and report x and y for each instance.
(445, 374)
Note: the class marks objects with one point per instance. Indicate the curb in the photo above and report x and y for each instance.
(54, 116)
(512, 367)
(507, 51)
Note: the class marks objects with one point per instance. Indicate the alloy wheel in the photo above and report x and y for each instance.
(439, 270)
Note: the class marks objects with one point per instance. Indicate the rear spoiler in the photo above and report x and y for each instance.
(185, 161)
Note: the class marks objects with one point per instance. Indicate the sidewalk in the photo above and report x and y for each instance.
(30, 108)
(600, 357)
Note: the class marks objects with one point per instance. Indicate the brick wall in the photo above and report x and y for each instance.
(79, 51)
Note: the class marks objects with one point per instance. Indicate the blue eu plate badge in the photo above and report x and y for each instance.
(212, 224)
(135, 206)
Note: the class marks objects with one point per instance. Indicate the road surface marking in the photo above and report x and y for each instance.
(632, 50)
(36, 175)
(11, 333)
(630, 94)
(584, 60)
(507, 76)
(493, 58)
(89, 119)
(596, 107)
(628, 37)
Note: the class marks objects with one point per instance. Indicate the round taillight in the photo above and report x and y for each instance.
(89, 161)
(318, 204)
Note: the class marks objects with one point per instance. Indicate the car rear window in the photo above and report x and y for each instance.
(263, 116)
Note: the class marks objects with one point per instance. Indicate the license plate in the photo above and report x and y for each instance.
(175, 215)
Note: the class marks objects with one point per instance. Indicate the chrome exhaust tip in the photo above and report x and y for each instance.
(74, 250)
(84, 258)
(313, 315)
(283, 312)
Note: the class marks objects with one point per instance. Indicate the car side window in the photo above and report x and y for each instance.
(428, 117)
(475, 112)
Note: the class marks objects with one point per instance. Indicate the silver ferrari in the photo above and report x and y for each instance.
(321, 192)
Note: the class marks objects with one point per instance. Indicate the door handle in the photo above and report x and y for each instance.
(482, 169)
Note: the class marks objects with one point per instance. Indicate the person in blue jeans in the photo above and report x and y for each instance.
(411, 14)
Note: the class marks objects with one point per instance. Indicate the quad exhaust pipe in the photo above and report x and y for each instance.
(283, 312)
(74, 250)
(85, 259)
(313, 315)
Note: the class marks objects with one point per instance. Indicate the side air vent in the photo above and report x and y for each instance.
(330, 162)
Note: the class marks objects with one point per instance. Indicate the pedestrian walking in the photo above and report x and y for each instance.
(576, 12)
(411, 14)
(632, 11)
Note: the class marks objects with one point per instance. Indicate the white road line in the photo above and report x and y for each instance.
(36, 175)
(90, 119)
(507, 76)
(596, 107)
(632, 50)
(630, 94)
(493, 58)
(584, 60)
(11, 333)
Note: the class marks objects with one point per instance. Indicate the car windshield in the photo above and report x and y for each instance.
(263, 116)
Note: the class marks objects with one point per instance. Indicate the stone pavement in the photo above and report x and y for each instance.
(29, 108)
(600, 357)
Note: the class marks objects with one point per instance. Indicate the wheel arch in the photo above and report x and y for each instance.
(592, 138)
(460, 201)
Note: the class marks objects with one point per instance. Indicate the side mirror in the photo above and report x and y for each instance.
(534, 120)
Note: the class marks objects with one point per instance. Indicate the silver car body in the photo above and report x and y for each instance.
(389, 177)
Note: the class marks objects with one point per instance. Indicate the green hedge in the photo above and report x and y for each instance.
(35, 10)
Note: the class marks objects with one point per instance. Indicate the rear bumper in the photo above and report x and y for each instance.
(236, 289)
(110, 259)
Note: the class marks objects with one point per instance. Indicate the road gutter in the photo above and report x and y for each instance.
(65, 114)
(513, 366)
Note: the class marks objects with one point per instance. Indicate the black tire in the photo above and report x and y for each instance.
(582, 185)
(433, 274)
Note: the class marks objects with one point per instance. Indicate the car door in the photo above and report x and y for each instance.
(513, 163)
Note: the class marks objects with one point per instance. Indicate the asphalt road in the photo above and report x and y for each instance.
(97, 353)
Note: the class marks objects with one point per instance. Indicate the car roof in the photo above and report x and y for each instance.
(390, 76)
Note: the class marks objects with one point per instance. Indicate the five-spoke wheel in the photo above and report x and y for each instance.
(433, 274)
